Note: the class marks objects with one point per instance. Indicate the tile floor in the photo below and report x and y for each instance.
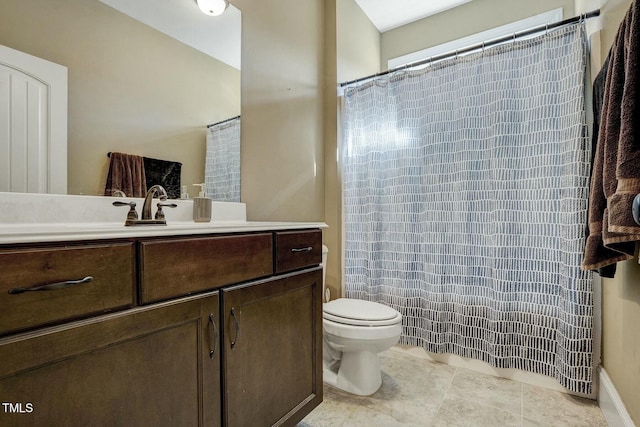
(417, 392)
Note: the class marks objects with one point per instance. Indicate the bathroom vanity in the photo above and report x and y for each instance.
(205, 326)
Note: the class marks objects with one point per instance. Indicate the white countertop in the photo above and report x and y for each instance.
(59, 232)
(33, 218)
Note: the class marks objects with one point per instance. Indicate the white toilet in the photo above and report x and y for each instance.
(354, 332)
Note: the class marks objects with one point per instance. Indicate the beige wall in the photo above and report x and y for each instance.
(462, 21)
(332, 237)
(621, 334)
(352, 49)
(131, 88)
(282, 109)
(358, 42)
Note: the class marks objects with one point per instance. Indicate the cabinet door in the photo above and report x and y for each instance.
(148, 366)
(272, 357)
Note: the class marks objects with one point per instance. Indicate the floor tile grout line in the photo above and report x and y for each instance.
(446, 392)
(522, 404)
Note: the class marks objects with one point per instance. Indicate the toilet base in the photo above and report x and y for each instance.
(357, 373)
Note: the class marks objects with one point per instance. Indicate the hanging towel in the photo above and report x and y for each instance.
(616, 170)
(598, 99)
(165, 173)
(127, 174)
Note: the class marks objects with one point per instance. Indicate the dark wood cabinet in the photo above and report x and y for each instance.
(272, 354)
(110, 267)
(179, 266)
(297, 249)
(149, 366)
(201, 330)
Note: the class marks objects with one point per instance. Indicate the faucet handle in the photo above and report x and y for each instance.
(132, 214)
(159, 213)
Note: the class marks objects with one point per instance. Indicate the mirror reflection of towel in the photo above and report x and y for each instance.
(127, 174)
(165, 173)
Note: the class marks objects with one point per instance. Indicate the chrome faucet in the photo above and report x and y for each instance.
(146, 207)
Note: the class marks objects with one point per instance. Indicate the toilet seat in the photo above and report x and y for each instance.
(360, 313)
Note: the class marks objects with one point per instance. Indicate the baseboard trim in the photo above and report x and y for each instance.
(610, 403)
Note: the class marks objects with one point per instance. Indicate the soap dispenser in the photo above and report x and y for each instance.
(201, 206)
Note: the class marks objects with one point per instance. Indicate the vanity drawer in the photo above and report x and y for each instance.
(182, 266)
(112, 286)
(297, 249)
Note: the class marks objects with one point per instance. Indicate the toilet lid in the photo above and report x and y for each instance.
(360, 312)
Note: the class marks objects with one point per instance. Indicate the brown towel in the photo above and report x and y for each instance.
(126, 173)
(616, 171)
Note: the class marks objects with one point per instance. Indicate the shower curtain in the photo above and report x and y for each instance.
(465, 197)
(222, 163)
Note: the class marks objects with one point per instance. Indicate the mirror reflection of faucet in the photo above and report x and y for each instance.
(159, 219)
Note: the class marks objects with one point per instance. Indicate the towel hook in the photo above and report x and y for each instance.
(635, 209)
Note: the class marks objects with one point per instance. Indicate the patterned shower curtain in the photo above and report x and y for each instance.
(222, 164)
(465, 198)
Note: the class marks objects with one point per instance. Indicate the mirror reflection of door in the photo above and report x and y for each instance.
(33, 124)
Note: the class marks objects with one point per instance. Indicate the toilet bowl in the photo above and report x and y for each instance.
(354, 332)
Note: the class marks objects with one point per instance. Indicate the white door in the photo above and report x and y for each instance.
(33, 124)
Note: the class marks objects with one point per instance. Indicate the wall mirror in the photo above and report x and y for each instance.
(144, 78)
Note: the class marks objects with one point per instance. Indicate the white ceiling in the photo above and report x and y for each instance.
(217, 36)
(389, 14)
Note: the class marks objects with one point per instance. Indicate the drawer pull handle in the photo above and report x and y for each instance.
(307, 249)
(214, 336)
(235, 319)
(52, 286)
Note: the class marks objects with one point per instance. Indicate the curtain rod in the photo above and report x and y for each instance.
(486, 44)
(222, 122)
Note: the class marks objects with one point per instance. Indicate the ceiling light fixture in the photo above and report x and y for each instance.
(213, 7)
